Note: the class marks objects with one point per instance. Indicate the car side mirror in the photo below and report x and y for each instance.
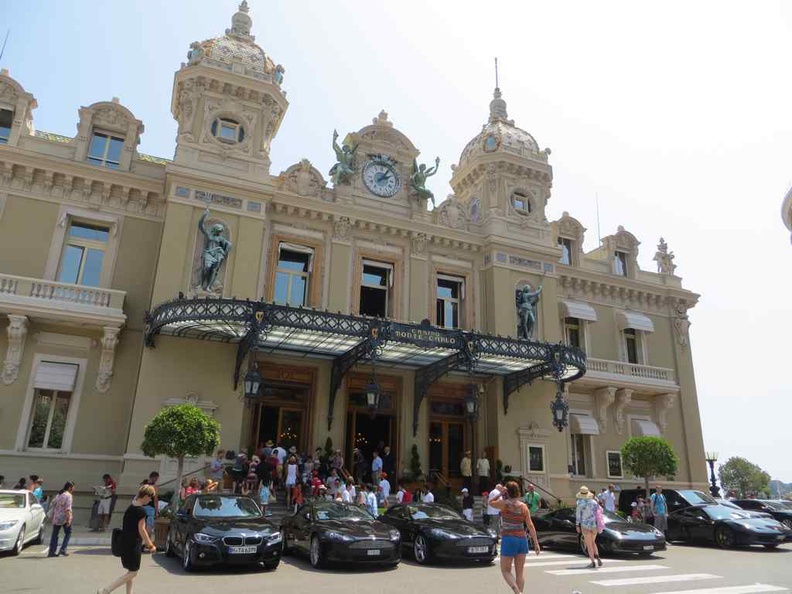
(36, 506)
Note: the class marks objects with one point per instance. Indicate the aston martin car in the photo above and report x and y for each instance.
(726, 527)
(777, 510)
(557, 529)
(21, 520)
(436, 531)
(331, 531)
(215, 529)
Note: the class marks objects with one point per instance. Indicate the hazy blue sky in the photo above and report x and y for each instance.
(676, 114)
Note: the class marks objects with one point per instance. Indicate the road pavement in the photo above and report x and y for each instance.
(682, 569)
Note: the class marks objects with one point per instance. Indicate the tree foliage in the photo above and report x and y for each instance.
(648, 457)
(744, 477)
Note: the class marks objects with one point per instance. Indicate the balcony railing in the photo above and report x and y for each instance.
(19, 293)
(632, 370)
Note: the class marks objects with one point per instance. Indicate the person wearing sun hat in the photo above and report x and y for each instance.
(586, 521)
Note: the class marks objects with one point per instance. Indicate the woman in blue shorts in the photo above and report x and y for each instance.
(514, 543)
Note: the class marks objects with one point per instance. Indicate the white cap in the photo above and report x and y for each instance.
(464, 490)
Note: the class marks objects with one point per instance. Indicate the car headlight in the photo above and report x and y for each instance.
(275, 538)
(8, 525)
(394, 534)
(202, 538)
(492, 533)
(338, 536)
(440, 533)
(658, 532)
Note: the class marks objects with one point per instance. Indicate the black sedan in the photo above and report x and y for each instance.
(726, 527)
(436, 531)
(557, 529)
(777, 510)
(213, 529)
(331, 531)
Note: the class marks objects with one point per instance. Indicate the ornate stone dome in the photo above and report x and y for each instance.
(236, 51)
(500, 135)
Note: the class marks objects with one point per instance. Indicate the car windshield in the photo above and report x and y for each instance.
(341, 511)
(608, 516)
(697, 497)
(12, 500)
(729, 504)
(720, 512)
(226, 507)
(432, 512)
(786, 505)
(775, 506)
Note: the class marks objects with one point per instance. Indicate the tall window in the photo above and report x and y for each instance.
(375, 285)
(54, 383)
(83, 255)
(6, 119)
(578, 454)
(450, 296)
(293, 274)
(105, 150)
(566, 251)
(631, 345)
(620, 263)
(573, 332)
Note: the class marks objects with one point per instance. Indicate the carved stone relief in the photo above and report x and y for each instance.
(604, 397)
(109, 342)
(451, 214)
(681, 324)
(418, 243)
(17, 332)
(663, 404)
(303, 179)
(341, 228)
(623, 399)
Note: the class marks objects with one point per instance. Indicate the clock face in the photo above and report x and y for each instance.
(381, 179)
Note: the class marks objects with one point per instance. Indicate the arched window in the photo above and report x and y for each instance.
(228, 130)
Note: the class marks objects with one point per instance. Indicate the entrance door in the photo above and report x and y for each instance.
(367, 434)
(446, 447)
(280, 417)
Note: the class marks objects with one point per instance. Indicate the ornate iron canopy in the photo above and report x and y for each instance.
(346, 339)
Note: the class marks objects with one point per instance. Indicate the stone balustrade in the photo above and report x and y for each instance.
(632, 370)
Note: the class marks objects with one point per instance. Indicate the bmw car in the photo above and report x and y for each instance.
(726, 527)
(21, 520)
(331, 531)
(436, 531)
(215, 529)
(557, 529)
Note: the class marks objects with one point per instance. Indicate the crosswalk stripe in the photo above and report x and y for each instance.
(655, 579)
(586, 570)
(567, 562)
(750, 589)
(533, 557)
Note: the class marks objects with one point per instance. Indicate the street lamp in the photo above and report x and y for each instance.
(560, 409)
(252, 384)
(711, 458)
(373, 396)
(472, 402)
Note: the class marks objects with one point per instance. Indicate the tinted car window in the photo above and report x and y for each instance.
(774, 506)
(341, 512)
(12, 500)
(226, 507)
(697, 497)
(719, 512)
(424, 512)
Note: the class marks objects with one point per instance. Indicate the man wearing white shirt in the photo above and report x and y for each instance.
(346, 497)
(609, 499)
(428, 496)
(385, 486)
(492, 514)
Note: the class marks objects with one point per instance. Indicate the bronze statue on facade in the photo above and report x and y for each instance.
(526, 311)
(418, 180)
(344, 167)
(216, 248)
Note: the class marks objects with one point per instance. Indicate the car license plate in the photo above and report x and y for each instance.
(781, 537)
(648, 548)
(478, 549)
(373, 552)
(242, 550)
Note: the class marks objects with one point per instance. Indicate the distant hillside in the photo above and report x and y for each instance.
(779, 488)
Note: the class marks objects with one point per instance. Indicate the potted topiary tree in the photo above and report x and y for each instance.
(179, 432)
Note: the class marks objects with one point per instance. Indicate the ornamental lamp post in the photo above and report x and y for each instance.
(711, 458)
(373, 396)
(472, 403)
(252, 384)
(560, 410)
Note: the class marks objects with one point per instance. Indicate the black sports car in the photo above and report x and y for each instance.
(217, 528)
(436, 531)
(558, 529)
(777, 510)
(726, 527)
(331, 531)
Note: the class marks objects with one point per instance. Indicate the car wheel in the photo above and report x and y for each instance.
(169, 552)
(787, 523)
(270, 565)
(316, 553)
(771, 546)
(20, 542)
(187, 561)
(645, 554)
(40, 536)
(724, 538)
(421, 549)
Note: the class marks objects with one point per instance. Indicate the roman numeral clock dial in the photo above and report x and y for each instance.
(380, 176)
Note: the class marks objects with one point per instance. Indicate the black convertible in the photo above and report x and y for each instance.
(726, 527)
(332, 531)
(212, 529)
(436, 531)
(558, 529)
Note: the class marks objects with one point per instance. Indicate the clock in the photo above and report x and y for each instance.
(380, 176)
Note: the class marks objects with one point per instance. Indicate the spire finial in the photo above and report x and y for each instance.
(496, 73)
(241, 23)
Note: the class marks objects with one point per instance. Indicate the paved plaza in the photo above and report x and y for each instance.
(681, 569)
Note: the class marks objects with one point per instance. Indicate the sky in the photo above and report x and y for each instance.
(675, 116)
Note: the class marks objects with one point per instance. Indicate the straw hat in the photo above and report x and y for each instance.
(584, 493)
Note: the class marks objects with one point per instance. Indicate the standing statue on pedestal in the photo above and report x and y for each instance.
(216, 248)
(345, 156)
(418, 180)
(526, 311)
(664, 258)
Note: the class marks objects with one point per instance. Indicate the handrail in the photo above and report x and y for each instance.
(553, 495)
(185, 475)
(346, 475)
(437, 475)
